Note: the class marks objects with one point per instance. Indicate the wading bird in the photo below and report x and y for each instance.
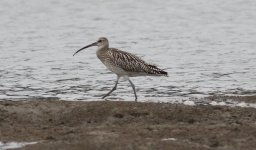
(123, 64)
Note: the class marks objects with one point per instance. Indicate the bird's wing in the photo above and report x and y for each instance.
(126, 61)
(131, 63)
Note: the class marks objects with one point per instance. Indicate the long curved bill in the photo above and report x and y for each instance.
(93, 44)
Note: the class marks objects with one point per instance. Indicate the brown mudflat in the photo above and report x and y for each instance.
(111, 125)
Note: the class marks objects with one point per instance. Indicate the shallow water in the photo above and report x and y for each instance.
(14, 145)
(207, 47)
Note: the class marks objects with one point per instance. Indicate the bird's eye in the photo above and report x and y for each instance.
(100, 41)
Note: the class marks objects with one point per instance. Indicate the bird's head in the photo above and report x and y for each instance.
(101, 43)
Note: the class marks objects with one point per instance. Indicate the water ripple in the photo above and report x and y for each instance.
(207, 49)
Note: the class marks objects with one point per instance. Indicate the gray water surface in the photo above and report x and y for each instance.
(207, 47)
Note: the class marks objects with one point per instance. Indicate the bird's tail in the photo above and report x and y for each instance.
(154, 70)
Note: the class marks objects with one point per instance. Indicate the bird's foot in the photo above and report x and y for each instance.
(104, 98)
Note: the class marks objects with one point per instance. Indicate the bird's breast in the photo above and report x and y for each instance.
(108, 62)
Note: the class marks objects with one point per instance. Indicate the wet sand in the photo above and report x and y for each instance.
(112, 125)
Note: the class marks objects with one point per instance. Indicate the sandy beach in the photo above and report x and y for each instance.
(65, 125)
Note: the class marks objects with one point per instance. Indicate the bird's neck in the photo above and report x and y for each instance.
(101, 52)
(103, 47)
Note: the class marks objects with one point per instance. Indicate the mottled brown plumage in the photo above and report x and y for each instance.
(133, 65)
(123, 64)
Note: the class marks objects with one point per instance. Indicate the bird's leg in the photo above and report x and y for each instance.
(133, 87)
(114, 88)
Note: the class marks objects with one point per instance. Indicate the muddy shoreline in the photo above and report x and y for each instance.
(118, 125)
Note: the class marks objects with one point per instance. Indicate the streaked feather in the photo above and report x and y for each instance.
(131, 63)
